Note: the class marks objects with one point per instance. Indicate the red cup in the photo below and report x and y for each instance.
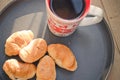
(63, 27)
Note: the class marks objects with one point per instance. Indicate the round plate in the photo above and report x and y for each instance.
(92, 45)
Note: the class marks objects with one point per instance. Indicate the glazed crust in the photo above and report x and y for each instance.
(17, 41)
(46, 69)
(15, 69)
(33, 51)
(63, 56)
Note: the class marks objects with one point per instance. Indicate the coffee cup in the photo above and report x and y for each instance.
(62, 22)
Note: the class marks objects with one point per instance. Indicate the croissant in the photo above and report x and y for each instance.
(17, 41)
(33, 51)
(46, 69)
(63, 56)
(15, 69)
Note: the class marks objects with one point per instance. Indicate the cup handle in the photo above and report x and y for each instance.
(96, 15)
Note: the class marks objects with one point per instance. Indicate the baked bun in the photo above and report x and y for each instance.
(46, 69)
(63, 56)
(17, 41)
(34, 50)
(15, 69)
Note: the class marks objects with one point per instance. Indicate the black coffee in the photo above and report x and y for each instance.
(67, 9)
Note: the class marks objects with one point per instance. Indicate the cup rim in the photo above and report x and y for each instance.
(77, 19)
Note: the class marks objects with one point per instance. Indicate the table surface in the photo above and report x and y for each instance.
(111, 13)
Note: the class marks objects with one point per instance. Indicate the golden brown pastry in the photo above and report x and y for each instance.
(46, 69)
(63, 56)
(17, 41)
(33, 51)
(15, 69)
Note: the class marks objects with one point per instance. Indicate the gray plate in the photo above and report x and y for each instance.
(92, 45)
